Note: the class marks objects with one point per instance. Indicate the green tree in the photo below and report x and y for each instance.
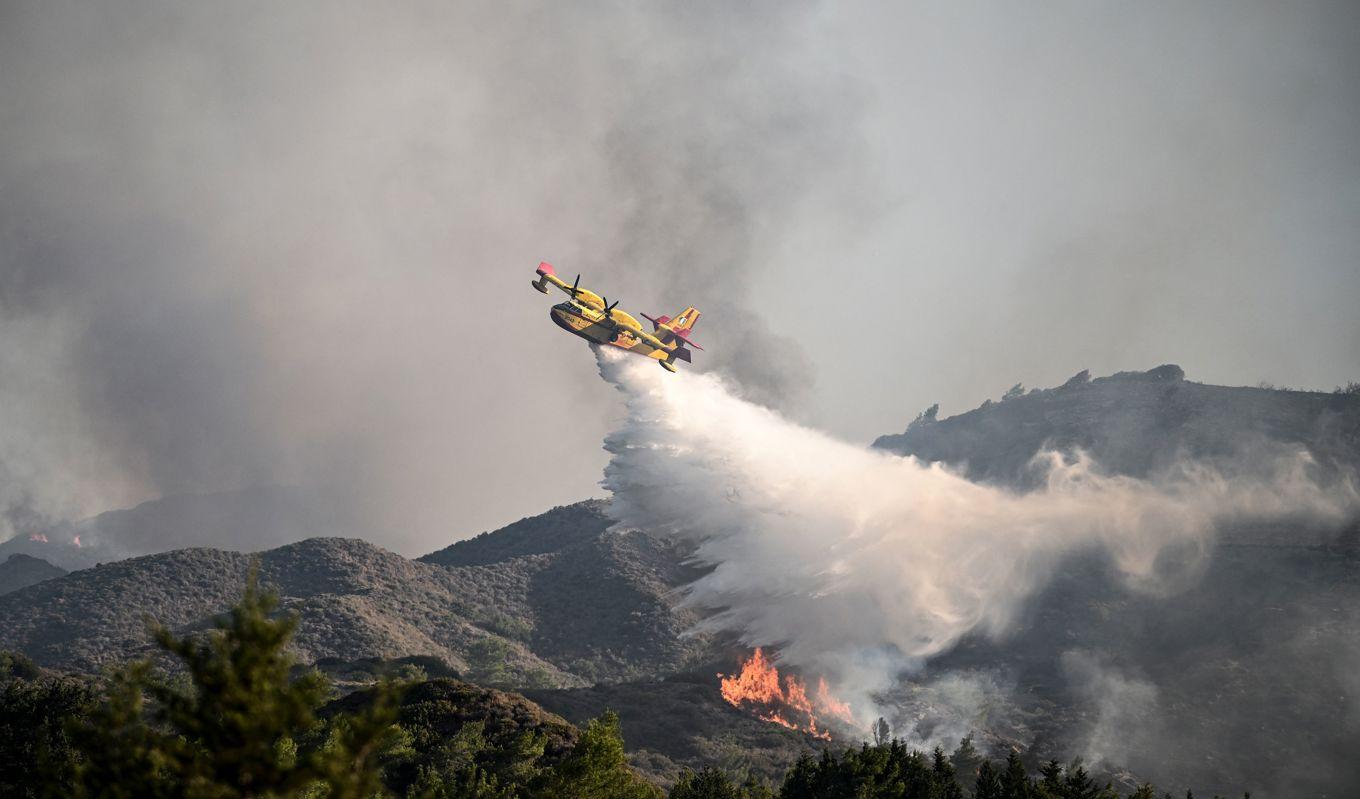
(709, 783)
(1078, 783)
(230, 726)
(1051, 779)
(488, 658)
(966, 759)
(988, 784)
(945, 777)
(37, 754)
(597, 767)
(1015, 783)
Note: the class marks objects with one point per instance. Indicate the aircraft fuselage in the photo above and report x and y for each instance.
(588, 323)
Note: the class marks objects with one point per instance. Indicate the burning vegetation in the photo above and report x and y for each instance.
(759, 689)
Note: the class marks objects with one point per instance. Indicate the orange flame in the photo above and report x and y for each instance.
(38, 537)
(758, 687)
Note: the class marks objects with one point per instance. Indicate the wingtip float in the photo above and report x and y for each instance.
(595, 319)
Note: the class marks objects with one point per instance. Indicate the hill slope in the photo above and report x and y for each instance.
(1257, 655)
(599, 604)
(1136, 423)
(554, 601)
(354, 600)
(20, 571)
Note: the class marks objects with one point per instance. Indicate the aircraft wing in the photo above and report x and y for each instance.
(547, 275)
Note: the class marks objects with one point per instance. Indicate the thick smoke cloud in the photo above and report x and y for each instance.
(287, 244)
(861, 565)
(266, 244)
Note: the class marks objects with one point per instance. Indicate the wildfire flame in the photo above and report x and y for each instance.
(37, 537)
(759, 688)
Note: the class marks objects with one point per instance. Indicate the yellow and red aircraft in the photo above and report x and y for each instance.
(594, 319)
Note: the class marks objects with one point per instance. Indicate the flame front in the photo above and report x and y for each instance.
(758, 687)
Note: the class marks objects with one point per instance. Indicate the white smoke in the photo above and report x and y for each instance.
(859, 564)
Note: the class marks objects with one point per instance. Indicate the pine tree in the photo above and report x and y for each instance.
(1052, 778)
(37, 754)
(1015, 782)
(966, 759)
(597, 767)
(1078, 783)
(707, 784)
(946, 781)
(230, 727)
(988, 785)
(800, 781)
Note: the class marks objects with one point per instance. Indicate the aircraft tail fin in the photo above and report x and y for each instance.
(683, 323)
(685, 319)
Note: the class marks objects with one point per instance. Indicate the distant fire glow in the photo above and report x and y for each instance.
(37, 538)
(758, 688)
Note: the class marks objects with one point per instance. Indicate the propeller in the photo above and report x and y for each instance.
(608, 312)
(574, 284)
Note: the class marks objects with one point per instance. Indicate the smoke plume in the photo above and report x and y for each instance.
(269, 245)
(859, 564)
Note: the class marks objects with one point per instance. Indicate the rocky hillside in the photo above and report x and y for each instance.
(600, 604)
(20, 571)
(354, 600)
(1137, 423)
(554, 601)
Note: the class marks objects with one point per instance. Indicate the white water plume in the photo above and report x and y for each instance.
(857, 563)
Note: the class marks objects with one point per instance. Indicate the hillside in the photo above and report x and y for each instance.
(563, 603)
(1137, 423)
(354, 600)
(683, 722)
(598, 604)
(1258, 652)
(20, 571)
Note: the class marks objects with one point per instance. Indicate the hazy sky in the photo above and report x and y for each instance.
(258, 242)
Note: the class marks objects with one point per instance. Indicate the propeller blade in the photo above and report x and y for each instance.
(574, 284)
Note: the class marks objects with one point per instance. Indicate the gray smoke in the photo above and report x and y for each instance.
(290, 244)
(861, 565)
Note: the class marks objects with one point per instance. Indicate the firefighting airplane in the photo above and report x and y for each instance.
(595, 319)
